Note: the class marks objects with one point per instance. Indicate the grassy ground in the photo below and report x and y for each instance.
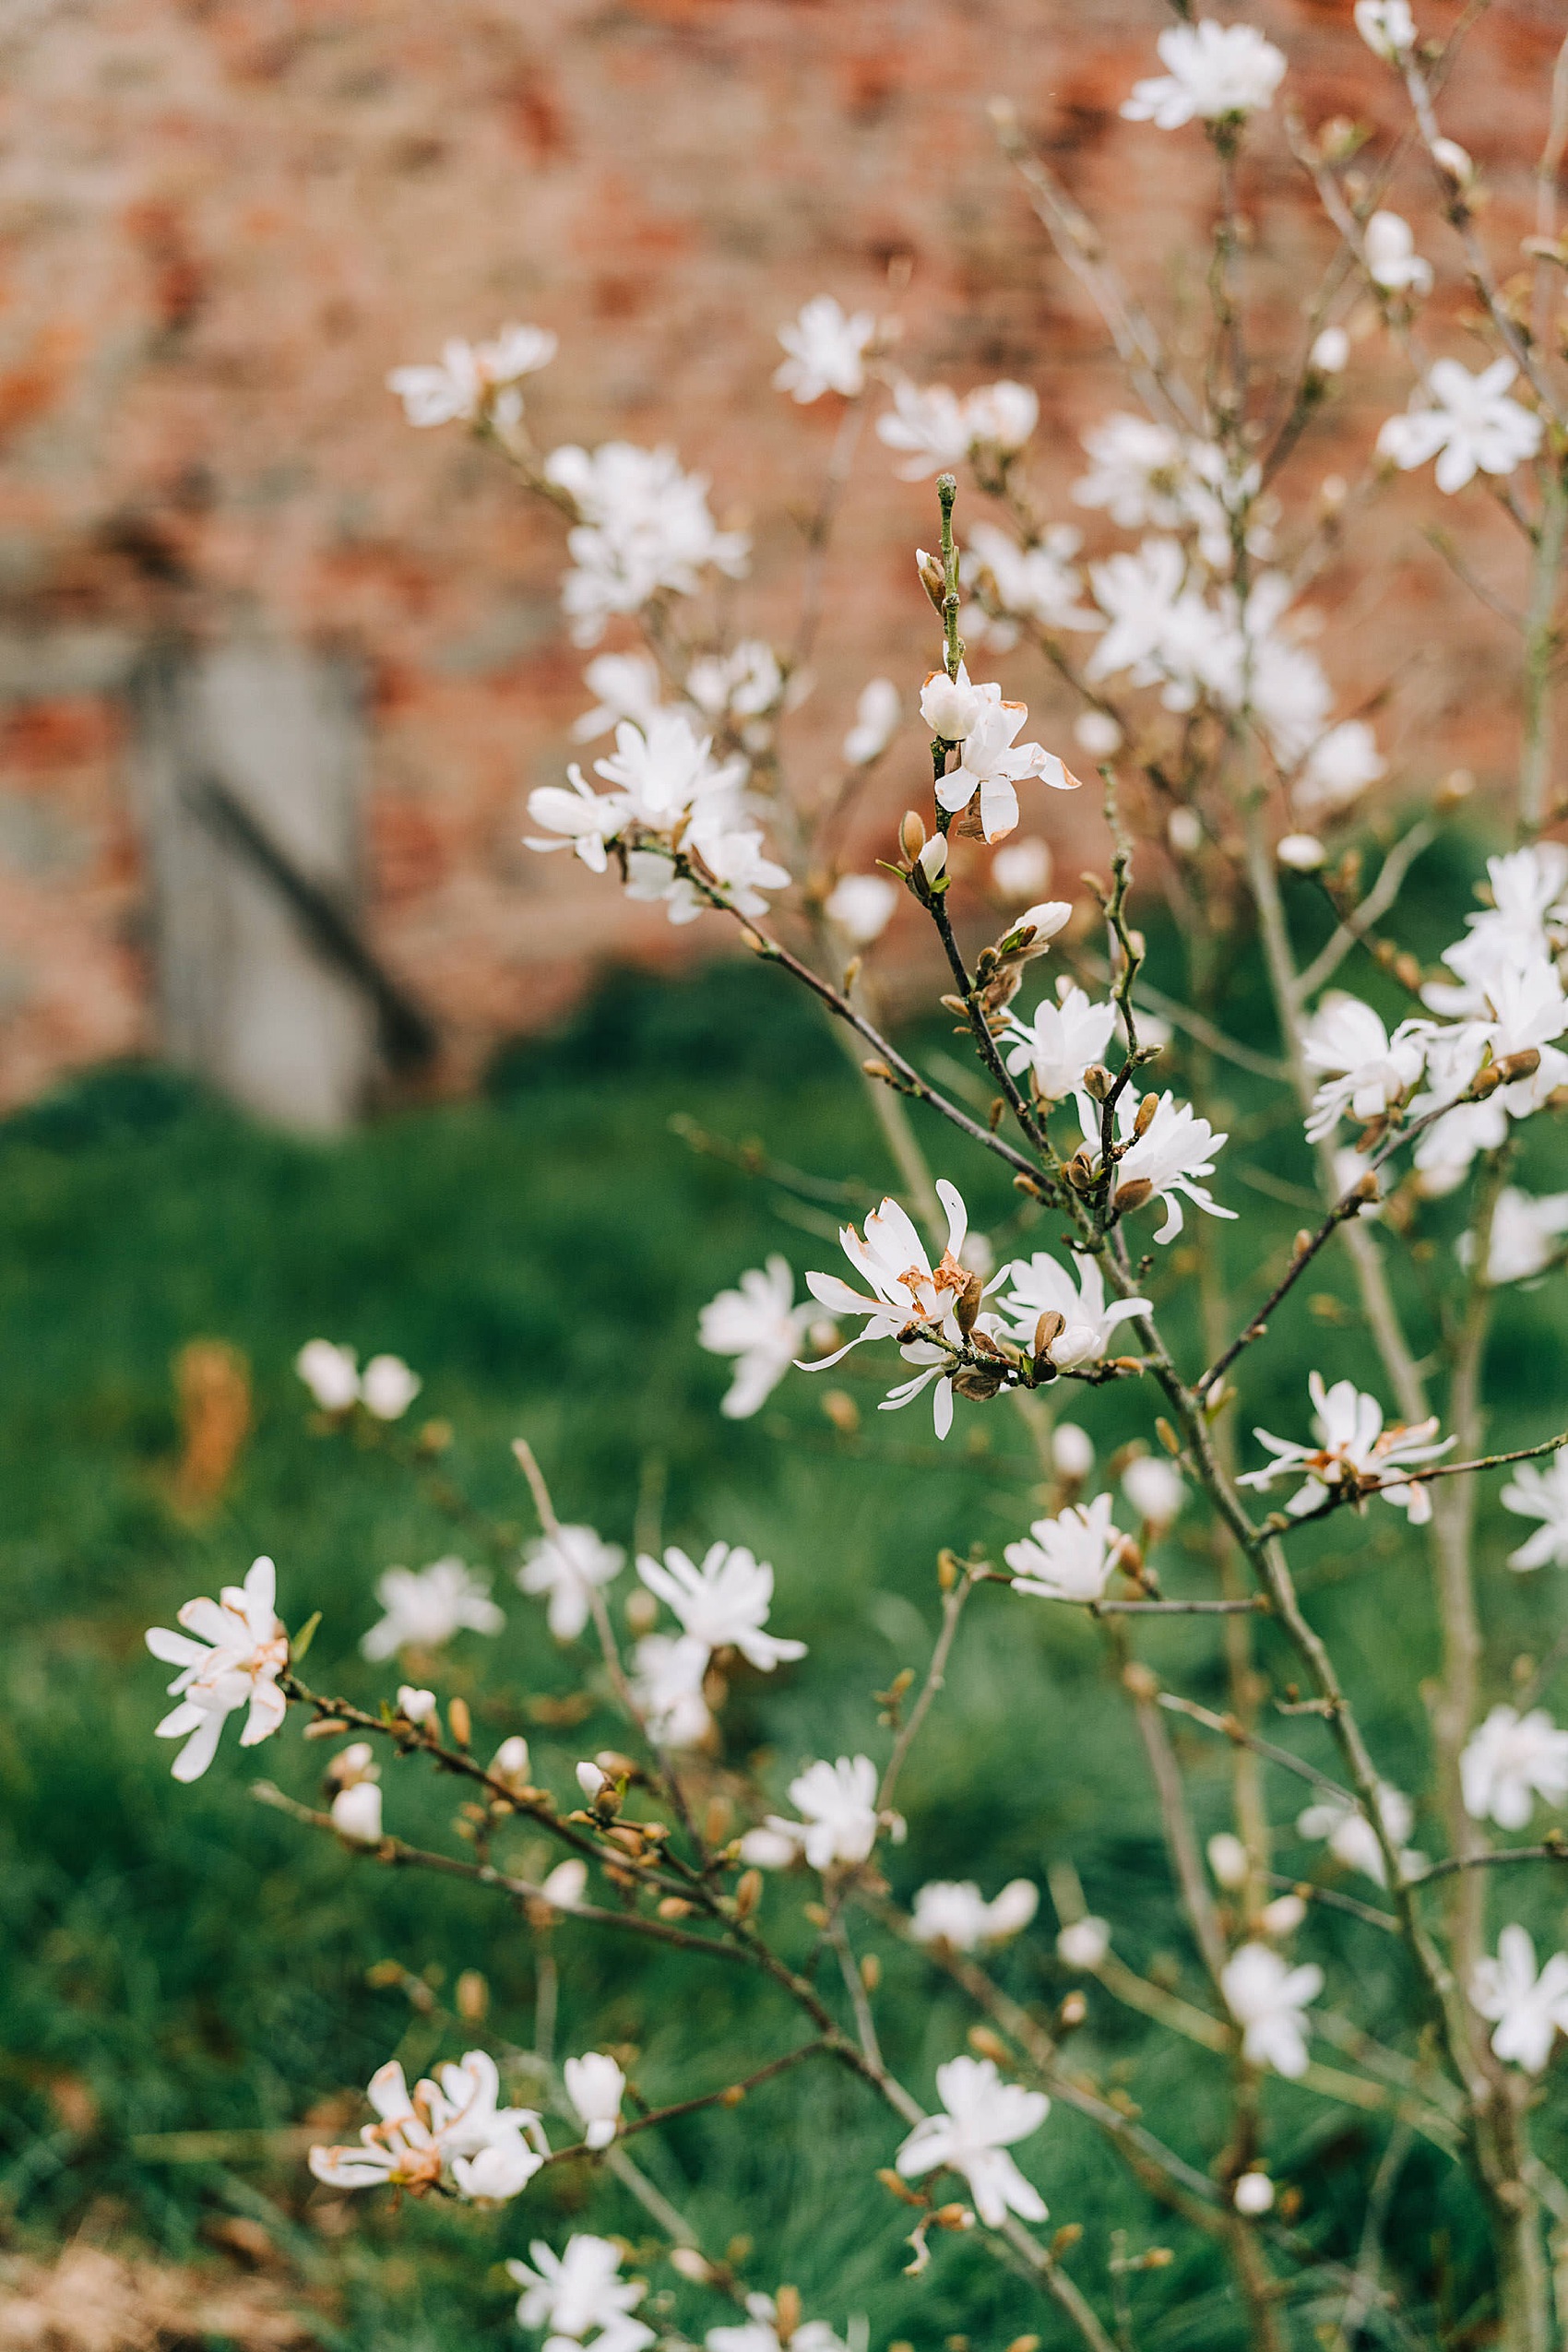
(186, 1976)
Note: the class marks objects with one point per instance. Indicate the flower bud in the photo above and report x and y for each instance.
(1454, 163)
(931, 579)
(1303, 852)
(967, 1304)
(1145, 1119)
(356, 1814)
(461, 1722)
(990, 2044)
(1523, 1064)
(689, 2264)
(911, 834)
(748, 1893)
(1098, 1081)
(1330, 352)
(1253, 2194)
(1133, 1194)
(932, 859)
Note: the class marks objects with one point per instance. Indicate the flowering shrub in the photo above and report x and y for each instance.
(1212, 723)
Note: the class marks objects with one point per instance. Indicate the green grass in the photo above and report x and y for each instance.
(182, 1962)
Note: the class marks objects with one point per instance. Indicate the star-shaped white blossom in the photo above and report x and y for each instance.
(1070, 1557)
(426, 1607)
(723, 1604)
(1529, 2010)
(982, 2116)
(230, 1655)
(759, 1325)
(579, 2292)
(1028, 1288)
(1061, 1041)
(1540, 1495)
(827, 350)
(1366, 1072)
(836, 1803)
(1214, 72)
(1351, 1838)
(1508, 1761)
(877, 712)
(1466, 423)
(1353, 1444)
(450, 2134)
(1171, 1152)
(566, 1566)
(911, 1300)
(954, 1912)
(994, 763)
(473, 378)
(1268, 1999)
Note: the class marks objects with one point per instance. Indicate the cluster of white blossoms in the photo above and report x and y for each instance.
(474, 382)
(386, 1387)
(936, 429)
(992, 762)
(580, 2298)
(451, 2134)
(1355, 1448)
(1269, 1999)
(954, 1911)
(644, 530)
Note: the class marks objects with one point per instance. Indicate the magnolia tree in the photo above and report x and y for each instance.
(1213, 727)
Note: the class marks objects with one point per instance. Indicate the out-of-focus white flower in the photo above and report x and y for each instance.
(1172, 1153)
(759, 1325)
(356, 1813)
(1509, 1760)
(1351, 1838)
(667, 1675)
(1353, 1444)
(724, 1604)
(1268, 1999)
(1061, 1042)
(1155, 1489)
(1042, 1285)
(1214, 71)
(954, 1912)
(1001, 416)
(628, 686)
(1072, 1451)
(836, 1803)
(911, 1302)
(567, 1565)
(450, 2134)
(1282, 1917)
(1532, 1494)
(1527, 1233)
(419, 1706)
(769, 1849)
(1098, 733)
(1529, 2011)
(331, 1373)
(230, 1655)
(929, 425)
(743, 683)
(1387, 26)
(1392, 262)
(664, 776)
(1455, 162)
(595, 2086)
(591, 1778)
(1137, 470)
(645, 530)
(1069, 1557)
(1082, 1943)
(862, 906)
(1331, 352)
(387, 1387)
(1184, 831)
(1021, 871)
(511, 1762)
(578, 2291)
(1303, 852)
(982, 2118)
(426, 1607)
(1367, 1071)
(877, 714)
(1466, 423)
(1338, 769)
(761, 2333)
(566, 1884)
(1252, 2194)
(469, 377)
(1228, 1860)
(827, 347)
(994, 763)
(1034, 582)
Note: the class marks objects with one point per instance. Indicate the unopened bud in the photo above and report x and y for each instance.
(787, 2312)
(1065, 2240)
(1138, 1680)
(748, 1893)
(1167, 1435)
(460, 1721)
(1487, 1081)
(1145, 1119)
(1408, 970)
(687, 2263)
(1073, 2010)
(990, 2044)
(1367, 1188)
(870, 1971)
(471, 1995)
(967, 1304)
(875, 1069)
(1523, 1064)
(931, 578)
(675, 1906)
(911, 834)
(1132, 1194)
(1301, 1244)
(1098, 1081)
(951, 1003)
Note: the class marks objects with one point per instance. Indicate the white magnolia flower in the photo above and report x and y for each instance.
(450, 2134)
(1036, 583)
(1082, 1943)
(1001, 416)
(645, 530)
(1070, 1557)
(628, 686)
(1155, 1489)
(877, 714)
(576, 2292)
(1351, 1838)
(1468, 424)
(929, 425)
(1061, 1041)
(837, 1807)
(667, 1674)
(1509, 1760)
(387, 1387)
(1213, 71)
(331, 1373)
(1268, 1999)
(1042, 1285)
(566, 1885)
(982, 2116)
(1367, 1071)
(469, 376)
(1353, 1444)
(510, 1762)
(1252, 2194)
(827, 348)
(723, 1604)
(862, 905)
(1138, 472)
(566, 1566)
(595, 2086)
(994, 763)
(1529, 2011)
(426, 1607)
(1528, 1231)
(760, 2334)
(1392, 262)
(1387, 26)
(1072, 1451)
(954, 1912)
(230, 1655)
(1175, 1150)
(1330, 353)
(1228, 1860)
(911, 1302)
(416, 1705)
(1339, 769)
(663, 773)
(1155, 615)
(1021, 871)
(759, 1325)
(950, 707)
(1535, 1494)
(356, 1813)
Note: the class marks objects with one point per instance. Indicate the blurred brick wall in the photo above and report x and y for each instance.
(221, 222)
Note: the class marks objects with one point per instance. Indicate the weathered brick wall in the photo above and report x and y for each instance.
(221, 222)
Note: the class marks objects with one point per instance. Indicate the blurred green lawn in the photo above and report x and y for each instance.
(183, 1961)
